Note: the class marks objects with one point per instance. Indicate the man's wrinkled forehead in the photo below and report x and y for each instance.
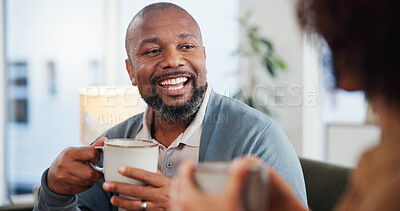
(145, 22)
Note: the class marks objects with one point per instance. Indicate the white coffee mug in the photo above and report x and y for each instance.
(127, 152)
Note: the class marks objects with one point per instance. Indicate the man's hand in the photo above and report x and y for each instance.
(156, 194)
(70, 172)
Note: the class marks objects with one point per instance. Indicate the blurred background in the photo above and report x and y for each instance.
(51, 49)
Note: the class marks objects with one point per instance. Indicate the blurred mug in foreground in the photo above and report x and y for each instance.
(211, 177)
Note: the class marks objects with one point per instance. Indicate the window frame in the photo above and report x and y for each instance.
(3, 192)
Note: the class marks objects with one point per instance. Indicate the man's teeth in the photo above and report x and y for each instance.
(175, 88)
(174, 81)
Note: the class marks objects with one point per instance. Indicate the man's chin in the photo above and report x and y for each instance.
(176, 102)
(171, 99)
(176, 108)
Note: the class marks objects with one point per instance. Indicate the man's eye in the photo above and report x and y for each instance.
(187, 47)
(153, 51)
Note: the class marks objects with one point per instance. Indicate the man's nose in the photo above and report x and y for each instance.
(171, 59)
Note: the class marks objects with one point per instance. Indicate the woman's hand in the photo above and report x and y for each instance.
(186, 196)
(280, 195)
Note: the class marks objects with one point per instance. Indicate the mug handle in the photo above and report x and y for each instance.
(95, 166)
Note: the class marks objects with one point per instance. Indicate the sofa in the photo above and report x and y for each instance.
(325, 183)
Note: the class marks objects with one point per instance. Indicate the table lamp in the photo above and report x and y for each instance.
(102, 107)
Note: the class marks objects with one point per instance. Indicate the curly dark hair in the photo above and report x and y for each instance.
(363, 36)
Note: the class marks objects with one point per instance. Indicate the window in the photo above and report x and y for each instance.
(337, 110)
(50, 49)
(339, 106)
(17, 95)
(344, 117)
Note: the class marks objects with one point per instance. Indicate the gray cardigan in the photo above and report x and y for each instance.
(230, 129)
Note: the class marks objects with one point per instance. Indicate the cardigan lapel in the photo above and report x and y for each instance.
(209, 124)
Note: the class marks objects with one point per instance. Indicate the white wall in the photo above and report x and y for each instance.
(279, 24)
(217, 32)
(313, 127)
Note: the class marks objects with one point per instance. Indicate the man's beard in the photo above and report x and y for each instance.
(176, 112)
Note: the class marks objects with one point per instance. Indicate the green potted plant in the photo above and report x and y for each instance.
(259, 50)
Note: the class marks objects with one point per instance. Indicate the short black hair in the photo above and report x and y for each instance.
(363, 37)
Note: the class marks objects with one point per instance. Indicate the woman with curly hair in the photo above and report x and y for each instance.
(363, 37)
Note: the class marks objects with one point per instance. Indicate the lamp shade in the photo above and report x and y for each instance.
(102, 107)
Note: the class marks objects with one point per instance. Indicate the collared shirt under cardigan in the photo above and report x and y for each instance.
(184, 147)
(230, 129)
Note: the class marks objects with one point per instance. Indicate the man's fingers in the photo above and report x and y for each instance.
(153, 179)
(99, 142)
(138, 191)
(130, 204)
(74, 180)
(87, 173)
(79, 169)
(72, 184)
(81, 153)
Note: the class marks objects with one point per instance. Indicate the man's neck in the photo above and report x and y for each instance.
(166, 131)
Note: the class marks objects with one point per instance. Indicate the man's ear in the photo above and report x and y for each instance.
(131, 71)
(204, 53)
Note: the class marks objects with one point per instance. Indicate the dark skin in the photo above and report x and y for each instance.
(185, 194)
(166, 133)
(167, 43)
(70, 173)
(163, 45)
(160, 42)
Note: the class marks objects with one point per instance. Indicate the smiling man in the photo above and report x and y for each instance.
(167, 61)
